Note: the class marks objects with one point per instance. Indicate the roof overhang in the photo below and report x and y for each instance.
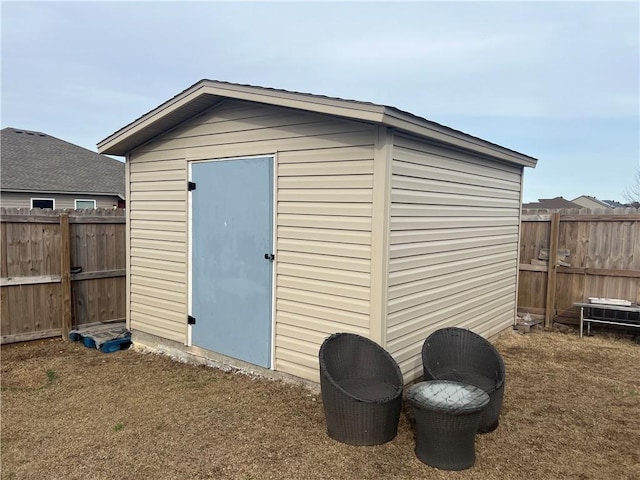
(207, 93)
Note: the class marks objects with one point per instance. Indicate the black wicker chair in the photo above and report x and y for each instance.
(361, 388)
(464, 356)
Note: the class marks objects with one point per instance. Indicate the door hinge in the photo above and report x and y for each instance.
(191, 186)
(191, 320)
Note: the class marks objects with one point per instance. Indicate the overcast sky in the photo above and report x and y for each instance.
(557, 81)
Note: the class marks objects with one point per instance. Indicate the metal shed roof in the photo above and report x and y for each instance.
(207, 93)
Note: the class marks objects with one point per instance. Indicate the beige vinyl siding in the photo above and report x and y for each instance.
(158, 246)
(62, 201)
(453, 246)
(324, 179)
(323, 248)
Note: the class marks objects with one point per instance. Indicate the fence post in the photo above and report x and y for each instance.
(65, 274)
(552, 270)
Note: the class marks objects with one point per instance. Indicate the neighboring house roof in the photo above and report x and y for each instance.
(551, 203)
(614, 204)
(37, 162)
(207, 93)
(587, 201)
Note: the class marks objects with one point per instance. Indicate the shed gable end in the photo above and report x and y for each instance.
(324, 182)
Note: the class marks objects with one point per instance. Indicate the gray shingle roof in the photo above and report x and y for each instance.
(37, 162)
(615, 204)
(551, 203)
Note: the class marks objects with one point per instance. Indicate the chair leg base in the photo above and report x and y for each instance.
(488, 429)
(360, 441)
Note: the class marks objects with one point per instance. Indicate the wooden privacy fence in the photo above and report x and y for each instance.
(588, 254)
(69, 268)
(60, 269)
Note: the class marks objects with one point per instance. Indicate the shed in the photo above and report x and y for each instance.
(260, 221)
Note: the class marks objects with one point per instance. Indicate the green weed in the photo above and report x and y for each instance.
(51, 376)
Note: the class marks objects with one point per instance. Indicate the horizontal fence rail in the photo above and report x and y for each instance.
(60, 269)
(567, 256)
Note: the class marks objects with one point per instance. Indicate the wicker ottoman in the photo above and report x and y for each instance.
(447, 417)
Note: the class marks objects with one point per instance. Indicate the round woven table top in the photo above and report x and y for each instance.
(448, 396)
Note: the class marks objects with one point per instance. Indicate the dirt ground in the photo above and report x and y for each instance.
(571, 411)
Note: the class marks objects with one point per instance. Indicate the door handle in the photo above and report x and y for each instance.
(269, 256)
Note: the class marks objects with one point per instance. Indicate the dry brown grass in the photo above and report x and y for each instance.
(571, 411)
